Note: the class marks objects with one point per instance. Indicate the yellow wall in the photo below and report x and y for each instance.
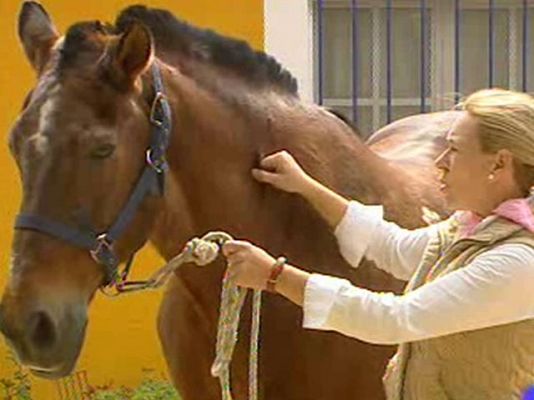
(121, 335)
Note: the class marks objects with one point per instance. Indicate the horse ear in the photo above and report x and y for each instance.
(132, 55)
(37, 33)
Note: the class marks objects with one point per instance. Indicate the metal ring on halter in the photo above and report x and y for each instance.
(157, 100)
(157, 164)
(103, 254)
(103, 244)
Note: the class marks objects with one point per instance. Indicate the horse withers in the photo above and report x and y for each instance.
(83, 143)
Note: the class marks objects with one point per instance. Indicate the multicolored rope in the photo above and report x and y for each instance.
(203, 251)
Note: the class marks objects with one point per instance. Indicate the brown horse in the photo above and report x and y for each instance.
(80, 146)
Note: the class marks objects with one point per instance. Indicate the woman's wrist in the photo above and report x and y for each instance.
(291, 283)
(330, 205)
(276, 271)
(309, 188)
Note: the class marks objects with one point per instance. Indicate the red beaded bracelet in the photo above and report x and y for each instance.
(276, 270)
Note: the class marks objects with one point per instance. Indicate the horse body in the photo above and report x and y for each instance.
(220, 194)
(410, 145)
(292, 360)
(228, 112)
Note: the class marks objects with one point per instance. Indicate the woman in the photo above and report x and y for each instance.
(465, 324)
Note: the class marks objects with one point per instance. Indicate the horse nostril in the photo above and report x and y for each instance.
(42, 332)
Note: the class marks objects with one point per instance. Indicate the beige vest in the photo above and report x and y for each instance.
(494, 363)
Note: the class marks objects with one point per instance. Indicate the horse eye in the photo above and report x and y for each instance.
(103, 151)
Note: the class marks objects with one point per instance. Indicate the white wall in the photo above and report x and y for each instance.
(289, 37)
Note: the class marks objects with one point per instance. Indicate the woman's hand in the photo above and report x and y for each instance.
(248, 265)
(283, 172)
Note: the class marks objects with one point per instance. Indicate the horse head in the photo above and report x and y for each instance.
(80, 144)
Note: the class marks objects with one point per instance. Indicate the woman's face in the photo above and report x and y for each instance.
(465, 169)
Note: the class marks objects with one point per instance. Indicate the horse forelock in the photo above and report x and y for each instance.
(81, 39)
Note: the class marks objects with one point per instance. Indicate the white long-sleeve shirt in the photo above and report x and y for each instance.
(496, 288)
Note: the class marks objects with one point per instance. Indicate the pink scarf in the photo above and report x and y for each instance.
(515, 210)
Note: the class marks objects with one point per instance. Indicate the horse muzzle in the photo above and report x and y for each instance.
(47, 340)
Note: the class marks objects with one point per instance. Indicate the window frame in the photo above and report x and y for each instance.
(442, 54)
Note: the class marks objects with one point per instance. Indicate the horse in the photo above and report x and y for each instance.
(80, 144)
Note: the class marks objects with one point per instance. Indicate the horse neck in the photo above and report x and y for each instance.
(215, 143)
(204, 130)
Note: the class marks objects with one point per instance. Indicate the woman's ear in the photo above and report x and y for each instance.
(504, 160)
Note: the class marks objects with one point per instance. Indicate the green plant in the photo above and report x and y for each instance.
(155, 390)
(151, 388)
(112, 394)
(18, 385)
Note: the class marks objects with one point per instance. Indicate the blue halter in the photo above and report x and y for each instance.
(151, 182)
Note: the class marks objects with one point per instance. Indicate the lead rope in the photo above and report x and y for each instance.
(203, 251)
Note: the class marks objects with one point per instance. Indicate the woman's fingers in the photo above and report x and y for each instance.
(278, 169)
(233, 269)
(234, 246)
(263, 176)
(248, 265)
(234, 259)
(278, 162)
(272, 161)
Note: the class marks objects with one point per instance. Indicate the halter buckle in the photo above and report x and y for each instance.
(102, 253)
(157, 101)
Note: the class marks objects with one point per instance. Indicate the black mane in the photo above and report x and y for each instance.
(170, 33)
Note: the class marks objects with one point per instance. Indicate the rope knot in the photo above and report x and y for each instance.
(204, 252)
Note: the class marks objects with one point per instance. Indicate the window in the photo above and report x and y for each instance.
(440, 79)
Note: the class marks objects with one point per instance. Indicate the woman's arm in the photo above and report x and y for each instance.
(330, 205)
(360, 230)
(494, 289)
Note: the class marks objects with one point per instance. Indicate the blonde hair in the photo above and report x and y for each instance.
(506, 121)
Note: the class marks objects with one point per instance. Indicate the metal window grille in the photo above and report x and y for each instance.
(380, 60)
